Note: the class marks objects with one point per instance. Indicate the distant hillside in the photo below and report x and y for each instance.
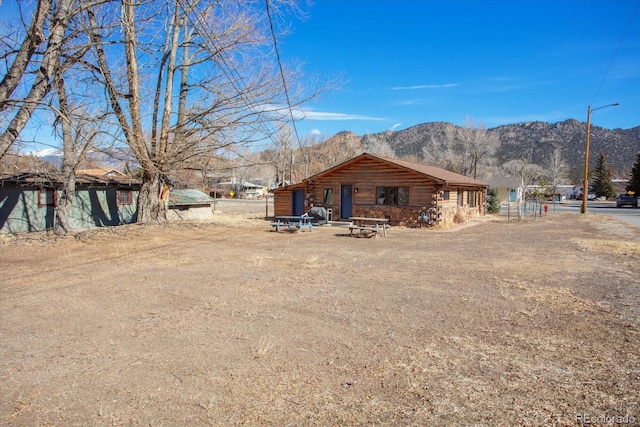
(538, 138)
(51, 158)
(533, 141)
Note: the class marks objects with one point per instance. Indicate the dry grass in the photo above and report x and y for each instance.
(497, 324)
(559, 298)
(613, 247)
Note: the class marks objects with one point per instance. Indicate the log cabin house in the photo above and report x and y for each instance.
(371, 186)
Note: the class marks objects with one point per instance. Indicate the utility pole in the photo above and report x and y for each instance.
(585, 184)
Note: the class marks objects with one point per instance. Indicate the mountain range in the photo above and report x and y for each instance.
(535, 140)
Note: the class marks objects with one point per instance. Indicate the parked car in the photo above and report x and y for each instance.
(590, 196)
(626, 200)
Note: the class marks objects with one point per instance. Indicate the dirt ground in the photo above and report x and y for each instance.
(498, 324)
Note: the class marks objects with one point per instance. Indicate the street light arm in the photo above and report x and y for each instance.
(604, 106)
(585, 184)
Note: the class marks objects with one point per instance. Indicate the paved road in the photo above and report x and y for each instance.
(627, 214)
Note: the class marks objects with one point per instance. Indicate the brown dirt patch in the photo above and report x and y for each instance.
(229, 323)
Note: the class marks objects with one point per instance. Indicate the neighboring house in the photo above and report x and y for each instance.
(252, 191)
(509, 189)
(190, 205)
(371, 186)
(241, 190)
(101, 172)
(28, 200)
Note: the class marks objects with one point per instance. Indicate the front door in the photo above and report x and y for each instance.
(297, 202)
(346, 201)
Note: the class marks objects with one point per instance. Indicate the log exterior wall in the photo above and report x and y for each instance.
(366, 175)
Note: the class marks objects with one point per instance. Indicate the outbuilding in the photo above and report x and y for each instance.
(372, 186)
(190, 204)
(28, 201)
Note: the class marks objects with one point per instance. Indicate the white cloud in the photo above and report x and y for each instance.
(316, 132)
(414, 102)
(300, 114)
(444, 86)
(323, 115)
(395, 126)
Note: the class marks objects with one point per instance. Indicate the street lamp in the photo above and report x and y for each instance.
(585, 185)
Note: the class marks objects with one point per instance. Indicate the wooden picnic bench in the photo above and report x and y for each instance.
(371, 225)
(297, 222)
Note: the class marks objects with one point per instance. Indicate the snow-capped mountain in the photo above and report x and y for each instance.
(46, 152)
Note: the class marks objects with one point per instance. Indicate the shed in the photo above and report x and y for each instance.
(190, 204)
(371, 186)
(28, 200)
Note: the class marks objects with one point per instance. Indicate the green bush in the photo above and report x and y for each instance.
(493, 202)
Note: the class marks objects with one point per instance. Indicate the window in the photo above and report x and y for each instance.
(392, 196)
(327, 196)
(47, 198)
(125, 197)
(403, 196)
(445, 195)
(473, 199)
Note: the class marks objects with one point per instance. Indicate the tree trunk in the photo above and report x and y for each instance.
(65, 201)
(153, 200)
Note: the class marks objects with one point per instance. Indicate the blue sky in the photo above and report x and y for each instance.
(408, 62)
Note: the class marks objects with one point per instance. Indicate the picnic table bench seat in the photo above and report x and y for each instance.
(373, 225)
(293, 222)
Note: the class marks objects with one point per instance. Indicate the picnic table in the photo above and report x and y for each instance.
(293, 221)
(372, 225)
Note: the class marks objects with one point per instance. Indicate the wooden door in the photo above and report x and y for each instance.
(346, 201)
(297, 202)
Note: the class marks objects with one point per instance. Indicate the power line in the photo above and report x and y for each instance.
(624, 35)
(284, 82)
(232, 75)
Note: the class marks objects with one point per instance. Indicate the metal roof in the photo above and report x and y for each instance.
(189, 197)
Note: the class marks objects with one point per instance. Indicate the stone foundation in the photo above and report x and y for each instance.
(454, 215)
(408, 216)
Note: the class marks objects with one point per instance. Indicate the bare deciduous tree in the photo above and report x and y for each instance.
(42, 73)
(377, 145)
(43, 68)
(462, 149)
(527, 173)
(555, 167)
(174, 81)
(340, 148)
(443, 152)
(223, 91)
